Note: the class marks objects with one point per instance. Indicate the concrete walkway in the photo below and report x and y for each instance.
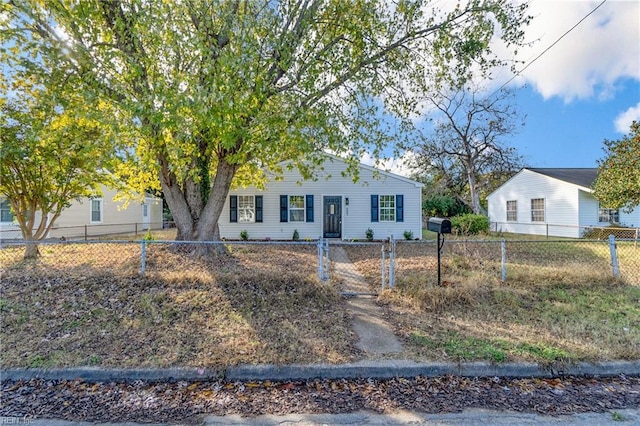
(375, 335)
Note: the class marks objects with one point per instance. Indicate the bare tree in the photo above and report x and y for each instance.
(467, 151)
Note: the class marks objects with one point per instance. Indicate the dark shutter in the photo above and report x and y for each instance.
(258, 208)
(284, 208)
(309, 206)
(374, 208)
(399, 208)
(233, 208)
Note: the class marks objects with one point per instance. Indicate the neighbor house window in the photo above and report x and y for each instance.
(296, 208)
(96, 210)
(512, 211)
(246, 208)
(608, 215)
(5, 211)
(537, 210)
(387, 208)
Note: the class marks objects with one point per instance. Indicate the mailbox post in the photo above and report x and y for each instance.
(441, 226)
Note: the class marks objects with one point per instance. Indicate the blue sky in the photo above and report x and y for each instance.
(583, 90)
(571, 134)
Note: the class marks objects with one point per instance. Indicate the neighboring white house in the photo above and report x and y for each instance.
(92, 216)
(331, 206)
(552, 201)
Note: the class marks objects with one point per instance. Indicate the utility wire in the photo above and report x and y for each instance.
(548, 48)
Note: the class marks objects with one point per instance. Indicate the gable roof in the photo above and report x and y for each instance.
(578, 176)
(334, 158)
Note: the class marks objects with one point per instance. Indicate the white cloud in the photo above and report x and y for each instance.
(623, 120)
(589, 60)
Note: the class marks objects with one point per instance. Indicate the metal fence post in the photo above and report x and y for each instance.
(503, 251)
(392, 260)
(326, 260)
(614, 256)
(320, 260)
(383, 269)
(143, 267)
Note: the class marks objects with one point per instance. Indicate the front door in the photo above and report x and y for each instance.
(332, 217)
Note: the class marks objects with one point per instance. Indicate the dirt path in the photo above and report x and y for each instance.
(375, 335)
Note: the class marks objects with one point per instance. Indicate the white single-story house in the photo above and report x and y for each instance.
(92, 216)
(330, 206)
(552, 201)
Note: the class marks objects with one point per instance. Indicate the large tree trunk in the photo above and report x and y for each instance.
(473, 189)
(176, 201)
(208, 228)
(196, 220)
(31, 250)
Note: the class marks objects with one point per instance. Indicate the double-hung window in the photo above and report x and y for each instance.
(387, 208)
(246, 208)
(512, 211)
(296, 208)
(537, 210)
(5, 211)
(96, 210)
(608, 215)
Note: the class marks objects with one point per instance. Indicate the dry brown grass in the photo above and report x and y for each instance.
(559, 304)
(250, 306)
(86, 304)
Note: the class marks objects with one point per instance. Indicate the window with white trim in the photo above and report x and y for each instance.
(246, 208)
(387, 208)
(608, 215)
(5, 211)
(296, 208)
(96, 210)
(512, 211)
(537, 210)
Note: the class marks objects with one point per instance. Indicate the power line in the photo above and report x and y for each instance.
(548, 48)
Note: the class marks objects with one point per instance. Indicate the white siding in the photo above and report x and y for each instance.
(116, 218)
(562, 204)
(631, 219)
(356, 217)
(589, 207)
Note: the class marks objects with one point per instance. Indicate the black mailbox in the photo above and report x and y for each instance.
(439, 225)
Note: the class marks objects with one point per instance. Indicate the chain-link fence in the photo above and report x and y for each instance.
(551, 230)
(464, 261)
(382, 264)
(167, 259)
(90, 232)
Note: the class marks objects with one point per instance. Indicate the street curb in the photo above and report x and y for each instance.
(366, 369)
(97, 374)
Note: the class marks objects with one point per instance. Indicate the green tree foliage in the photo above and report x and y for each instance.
(470, 224)
(218, 90)
(618, 182)
(444, 206)
(48, 157)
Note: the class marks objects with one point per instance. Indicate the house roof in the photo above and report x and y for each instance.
(579, 176)
(332, 157)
